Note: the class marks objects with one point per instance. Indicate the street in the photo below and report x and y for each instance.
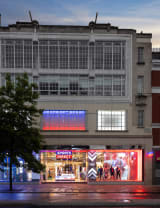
(77, 195)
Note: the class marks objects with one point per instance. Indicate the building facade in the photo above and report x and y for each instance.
(94, 85)
(156, 114)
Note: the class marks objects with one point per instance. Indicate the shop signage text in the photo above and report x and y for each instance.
(63, 154)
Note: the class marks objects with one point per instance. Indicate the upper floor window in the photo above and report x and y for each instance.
(140, 118)
(112, 120)
(82, 85)
(64, 120)
(140, 55)
(140, 84)
(64, 54)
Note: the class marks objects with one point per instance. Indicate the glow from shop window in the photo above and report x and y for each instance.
(73, 120)
(139, 165)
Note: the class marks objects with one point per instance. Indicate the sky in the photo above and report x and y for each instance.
(141, 15)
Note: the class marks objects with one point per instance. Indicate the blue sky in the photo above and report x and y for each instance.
(142, 15)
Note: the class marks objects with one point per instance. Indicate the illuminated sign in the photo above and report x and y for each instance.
(150, 154)
(63, 154)
(64, 120)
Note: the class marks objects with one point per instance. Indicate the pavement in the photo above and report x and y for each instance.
(79, 188)
(79, 195)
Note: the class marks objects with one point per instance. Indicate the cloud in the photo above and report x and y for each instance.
(140, 16)
(150, 9)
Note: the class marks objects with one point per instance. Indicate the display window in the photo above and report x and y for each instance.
(64, 165)
(119, 165)
(91, 165)
(19, 174)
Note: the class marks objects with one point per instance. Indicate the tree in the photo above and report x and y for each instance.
(19, 132)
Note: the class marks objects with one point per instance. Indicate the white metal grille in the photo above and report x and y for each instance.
(64, 54)
(111, 120)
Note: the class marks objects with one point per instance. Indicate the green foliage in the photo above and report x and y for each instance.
(19, 134)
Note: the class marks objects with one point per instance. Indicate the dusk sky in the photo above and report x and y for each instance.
(142, 15)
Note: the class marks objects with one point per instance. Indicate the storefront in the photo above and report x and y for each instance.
(91, 165)
(64, 165)
(19, 174)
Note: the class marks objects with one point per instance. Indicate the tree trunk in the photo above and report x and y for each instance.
(11, 163)
(10, 174)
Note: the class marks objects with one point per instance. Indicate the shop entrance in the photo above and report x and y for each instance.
(64, 165)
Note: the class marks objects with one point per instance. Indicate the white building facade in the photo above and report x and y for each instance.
(94, 85)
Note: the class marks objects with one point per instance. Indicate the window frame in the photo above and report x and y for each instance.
(122, 114)
(139, 123)
(140, 55)
(140, 84)
(59, 119)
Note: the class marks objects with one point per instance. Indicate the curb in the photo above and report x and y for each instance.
(80, 203)
(78, 192)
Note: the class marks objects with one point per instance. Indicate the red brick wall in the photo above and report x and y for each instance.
(155, 108)
(156, 136)
(155, 78)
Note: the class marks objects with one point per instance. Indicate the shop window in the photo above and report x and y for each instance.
(91, 165)
(116, 165)
(64, 120)
(111, 120)
(64, 165)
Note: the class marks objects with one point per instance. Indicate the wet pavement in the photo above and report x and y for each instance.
(79, 195)
(79, 188)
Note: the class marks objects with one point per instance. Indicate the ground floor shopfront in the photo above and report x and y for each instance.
(82, 166)
(92, 165)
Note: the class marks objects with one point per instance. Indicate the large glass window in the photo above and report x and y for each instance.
(111, 120)
(64, 165)
(108, 55)
(8, 53)
(83, 85)
(53, 54)
(95, 165)
(83, 54)
(43, 53)
(64, 120)
(28, 54)
(64, 54)
(116, 165)
(19, 54)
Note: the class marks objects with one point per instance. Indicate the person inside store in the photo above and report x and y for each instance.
(112, 172)
(118, 173)
(105, 173)
(100, 173)
(59, 171)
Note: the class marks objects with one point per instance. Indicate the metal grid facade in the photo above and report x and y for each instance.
(63, 54)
